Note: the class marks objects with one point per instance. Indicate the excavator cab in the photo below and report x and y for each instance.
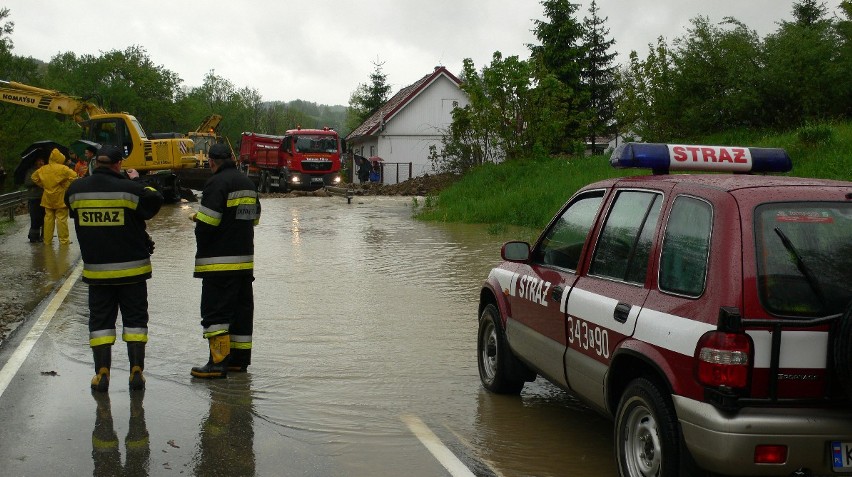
(108, 131)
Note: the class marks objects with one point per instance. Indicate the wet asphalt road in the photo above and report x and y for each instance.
(364, 363)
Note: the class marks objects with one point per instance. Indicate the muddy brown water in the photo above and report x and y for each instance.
(364, 317)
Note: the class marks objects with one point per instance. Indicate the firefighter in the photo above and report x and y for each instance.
(109, 213)
(224, 260)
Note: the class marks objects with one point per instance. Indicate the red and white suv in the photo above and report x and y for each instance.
(709, 315)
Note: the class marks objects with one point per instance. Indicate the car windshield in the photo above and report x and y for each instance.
(804, 257)
(316, 143)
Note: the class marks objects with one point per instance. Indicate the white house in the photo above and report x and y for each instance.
(402, 130)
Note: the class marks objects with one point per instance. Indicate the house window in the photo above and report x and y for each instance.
(372, 151)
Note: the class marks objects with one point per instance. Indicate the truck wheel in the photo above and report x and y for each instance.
(647, 439)
(843, 351)
(494, 357)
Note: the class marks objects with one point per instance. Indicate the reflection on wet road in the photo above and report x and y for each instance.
(363, 316)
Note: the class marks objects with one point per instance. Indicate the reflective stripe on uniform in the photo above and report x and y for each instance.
(216, 330)
(102, 271)
(221, 264)
(208, 216)
(245, 202)
(240, 341)
(103, 199)
(101, 337)
(242, 197)
(139, 335)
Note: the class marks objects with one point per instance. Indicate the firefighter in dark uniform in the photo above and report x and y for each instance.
(109, 212)
(224, 260)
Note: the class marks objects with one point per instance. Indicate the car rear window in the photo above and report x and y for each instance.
(804, 257)
(686, 246)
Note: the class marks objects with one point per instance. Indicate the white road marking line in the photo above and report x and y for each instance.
(491, 466)
(436, 447)
(20, 355)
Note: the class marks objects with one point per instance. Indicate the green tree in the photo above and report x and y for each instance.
(6, 29)
(801, 78)
(645, 95)
(598, 74)
(121, 81)
(809, 12)
(844, 58)
(368, 98)
(716, 84)
(561, 54)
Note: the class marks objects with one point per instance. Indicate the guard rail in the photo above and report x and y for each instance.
(11, 201)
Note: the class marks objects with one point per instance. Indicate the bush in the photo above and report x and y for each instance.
(815, 134)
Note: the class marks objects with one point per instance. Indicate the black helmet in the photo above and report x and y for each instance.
(219, 151)
(112, 153)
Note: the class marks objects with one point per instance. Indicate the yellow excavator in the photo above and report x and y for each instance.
(157, 160)
(204, 136)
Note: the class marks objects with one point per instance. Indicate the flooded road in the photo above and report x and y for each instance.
(365, 331)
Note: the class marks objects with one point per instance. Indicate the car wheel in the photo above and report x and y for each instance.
(843, 351)
(494, 356)
(646, 432)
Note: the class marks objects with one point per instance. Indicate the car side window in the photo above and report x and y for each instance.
(625, 243)
(686, 247)
(563, 243)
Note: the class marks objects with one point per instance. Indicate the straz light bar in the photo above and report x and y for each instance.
(662, 158)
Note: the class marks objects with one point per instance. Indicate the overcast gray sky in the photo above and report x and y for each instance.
(320, 50)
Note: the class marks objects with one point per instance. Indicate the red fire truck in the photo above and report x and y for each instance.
(303, 159)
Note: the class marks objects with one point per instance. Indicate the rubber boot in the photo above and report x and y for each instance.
(103, 361)
(217, 364)
(239, 361)
(136, 356)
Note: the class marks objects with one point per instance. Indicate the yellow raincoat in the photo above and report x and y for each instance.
(55, 177)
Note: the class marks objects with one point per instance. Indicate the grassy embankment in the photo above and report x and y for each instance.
(527, 193)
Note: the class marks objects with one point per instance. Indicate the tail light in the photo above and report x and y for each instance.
(724, 359)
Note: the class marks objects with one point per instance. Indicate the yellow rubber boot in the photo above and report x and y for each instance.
(103, 360)
(217, 364)
(136, 356)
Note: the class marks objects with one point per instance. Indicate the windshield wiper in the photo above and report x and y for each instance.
(800, 264)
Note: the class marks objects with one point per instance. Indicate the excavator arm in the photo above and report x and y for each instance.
(210, 124)
(48, 100)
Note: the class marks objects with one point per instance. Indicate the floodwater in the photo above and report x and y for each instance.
(365, 320)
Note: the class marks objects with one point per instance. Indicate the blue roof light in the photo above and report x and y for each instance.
(662, 158)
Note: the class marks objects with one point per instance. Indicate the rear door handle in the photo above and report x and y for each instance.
(622, 311)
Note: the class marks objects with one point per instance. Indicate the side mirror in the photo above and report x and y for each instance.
(515, 251)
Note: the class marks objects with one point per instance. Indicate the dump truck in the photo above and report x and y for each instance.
(301, 159)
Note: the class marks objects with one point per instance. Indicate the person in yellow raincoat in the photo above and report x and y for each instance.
(55, 177)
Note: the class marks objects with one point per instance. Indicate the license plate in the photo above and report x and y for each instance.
(841, 456)
(316, 179)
